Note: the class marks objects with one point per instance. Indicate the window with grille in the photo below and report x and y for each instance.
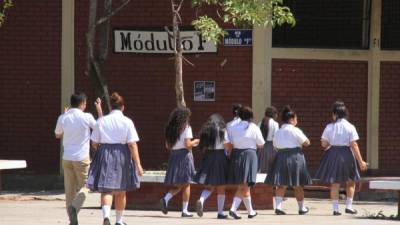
(390, 29)
(326, 24)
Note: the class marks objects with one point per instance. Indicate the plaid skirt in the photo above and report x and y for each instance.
(180, 167)
(289, 169)
(112, 169)
(214, 168)
(338, 165)
(243, 167)
(266, 157)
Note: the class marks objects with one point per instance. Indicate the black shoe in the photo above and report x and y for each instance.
(199, 208)
(234, 215)
(351, 211)
(279, 212)
(163, 206)
(123, 223)
(186, 215)
(221, 216)
(73, 216)
(336, 213)
(303, 212)
(106, 221)
(252, 216)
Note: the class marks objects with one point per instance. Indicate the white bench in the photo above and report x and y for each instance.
(393, 185)
(158, 177)
(11, 164)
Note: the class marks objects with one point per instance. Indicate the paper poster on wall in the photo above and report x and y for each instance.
(204, 91)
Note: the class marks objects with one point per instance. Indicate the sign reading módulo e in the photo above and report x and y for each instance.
(238, 37)
(156, 42)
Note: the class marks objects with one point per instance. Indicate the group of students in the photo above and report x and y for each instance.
(233, 154)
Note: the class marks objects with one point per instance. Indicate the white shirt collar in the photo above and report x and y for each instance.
(116, 111)
(74, 110)
(287, 125)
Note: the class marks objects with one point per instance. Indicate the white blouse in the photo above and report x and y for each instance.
(219, 144)
(244, 135)
(187, 133)
(289, 136)
(233, 122)
(115, 128)
(340, 133)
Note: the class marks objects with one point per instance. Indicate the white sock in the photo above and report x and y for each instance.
(106, 209)
(349, 203)
(249, 207)
(335, 204)
(119, 214)
(278, 202)
(204, 195)
(185, 207)
(236, 203)
(301, 206)
(221, 203)
(167, 197)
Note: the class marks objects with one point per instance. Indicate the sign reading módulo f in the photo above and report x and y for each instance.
(138, 41)
(238, 37)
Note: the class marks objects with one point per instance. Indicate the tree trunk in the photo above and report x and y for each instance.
(95, 64)
(180, 100)
(104, 33)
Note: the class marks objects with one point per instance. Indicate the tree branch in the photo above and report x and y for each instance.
(187, 61)
(169, 32)
(108, 16)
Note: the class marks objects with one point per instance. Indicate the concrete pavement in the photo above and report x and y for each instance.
(48, 208)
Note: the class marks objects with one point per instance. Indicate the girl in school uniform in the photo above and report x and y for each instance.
(214, 166)
(180, 172)
(116, 164)
(268, 127)
(338, 164)
(289, 168)
(243, 138)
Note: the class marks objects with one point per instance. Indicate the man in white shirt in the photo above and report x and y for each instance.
(74, 128)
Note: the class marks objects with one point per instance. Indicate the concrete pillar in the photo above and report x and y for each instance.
(374, 63)
(262, 72)
(67, 55)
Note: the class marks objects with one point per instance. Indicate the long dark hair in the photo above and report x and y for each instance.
(287, 114)
(270, 113)
(212, 129)
(339, 110)
(177, 121)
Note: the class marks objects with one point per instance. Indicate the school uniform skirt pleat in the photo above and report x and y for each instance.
(338, 165)
(243, 167)
(112, 169)
(213, 169)
(289, 169)
(180, 167)
(266, 157)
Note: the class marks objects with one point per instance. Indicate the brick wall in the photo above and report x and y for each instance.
(389, 120)
(311, 87)
(146, 81)
(30, 47)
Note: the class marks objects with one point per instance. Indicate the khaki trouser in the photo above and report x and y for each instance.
(75, 177)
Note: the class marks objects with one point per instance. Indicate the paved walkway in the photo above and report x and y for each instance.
(48, 208)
